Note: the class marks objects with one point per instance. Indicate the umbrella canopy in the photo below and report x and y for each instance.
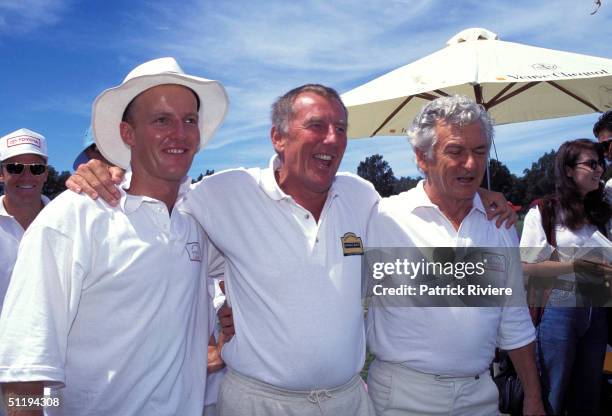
(514, 82)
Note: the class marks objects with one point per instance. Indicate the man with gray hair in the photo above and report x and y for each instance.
(435, 360)
(293, 265)
(288, 234)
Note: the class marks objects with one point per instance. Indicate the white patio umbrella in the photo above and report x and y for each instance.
(514, 82)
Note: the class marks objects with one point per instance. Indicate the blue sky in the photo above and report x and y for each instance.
(58, 55)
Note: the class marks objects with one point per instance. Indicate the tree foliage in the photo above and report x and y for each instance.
(376, 170)
(405, 183)
(201, 175)
(56, 182)
(539, 180)
(505, 182)
(536, 181)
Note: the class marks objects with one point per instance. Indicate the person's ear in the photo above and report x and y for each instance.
(279, 140)
(127, 133)
(421, 160)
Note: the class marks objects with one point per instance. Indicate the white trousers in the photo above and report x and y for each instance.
(397, 390)
(243, 396)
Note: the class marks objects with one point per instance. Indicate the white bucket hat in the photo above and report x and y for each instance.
(109, 106)
(22, 142)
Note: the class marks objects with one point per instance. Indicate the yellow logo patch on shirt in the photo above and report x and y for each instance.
(351, 245)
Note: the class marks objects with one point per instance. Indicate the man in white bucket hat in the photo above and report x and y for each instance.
(23, 171)
(291, 277)
(112, 308)
(293, 261)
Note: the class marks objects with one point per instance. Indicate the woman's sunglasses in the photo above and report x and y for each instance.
(592, 163)
(17, 168)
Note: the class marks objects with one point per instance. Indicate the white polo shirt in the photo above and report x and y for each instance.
(10, 236)
(296, 297)
(452, 341)
(608, 191)
(110, 304)
(571, 244)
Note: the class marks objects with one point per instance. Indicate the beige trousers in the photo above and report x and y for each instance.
(397, 390)
(244, 396)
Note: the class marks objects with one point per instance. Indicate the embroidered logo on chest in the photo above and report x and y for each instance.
(194, 251)
(494, 262)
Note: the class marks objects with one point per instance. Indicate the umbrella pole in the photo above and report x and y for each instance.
(488, 174)
(479, 99)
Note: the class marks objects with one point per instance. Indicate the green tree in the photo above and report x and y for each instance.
(201, 176)
(539, 180)
(56, 182)
(505, 182)
(376, 170)
(405, 183)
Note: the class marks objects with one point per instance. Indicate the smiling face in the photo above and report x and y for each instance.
(162, 132)
(457, 165)
(582, 173)
(24, 188)
(313, 147)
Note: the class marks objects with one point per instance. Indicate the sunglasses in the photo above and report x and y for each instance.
(605, 145)
(17, 168)
(592, 163)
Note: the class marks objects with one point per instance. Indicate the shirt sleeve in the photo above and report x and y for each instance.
(40, 306)
(196, 203)
(608, 191)
(534, 245)
(216, 275)
(516, 328)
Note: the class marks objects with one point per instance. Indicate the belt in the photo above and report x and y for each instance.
(436, 377)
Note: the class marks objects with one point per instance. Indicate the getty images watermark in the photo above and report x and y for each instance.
(446, 276)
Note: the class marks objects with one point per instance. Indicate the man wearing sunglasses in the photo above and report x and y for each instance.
(603, 131)
(23, 160)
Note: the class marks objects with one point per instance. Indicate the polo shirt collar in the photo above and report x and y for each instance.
(420, 199)
(268, 180)
(130, 203)
(269, 185)
(3, 213)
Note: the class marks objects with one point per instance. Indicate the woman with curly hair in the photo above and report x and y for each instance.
(571, 340)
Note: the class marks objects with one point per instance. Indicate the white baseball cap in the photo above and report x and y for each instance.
(109, 106)
(22, 142)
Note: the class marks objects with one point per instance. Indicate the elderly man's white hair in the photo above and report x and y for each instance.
(457, 110)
